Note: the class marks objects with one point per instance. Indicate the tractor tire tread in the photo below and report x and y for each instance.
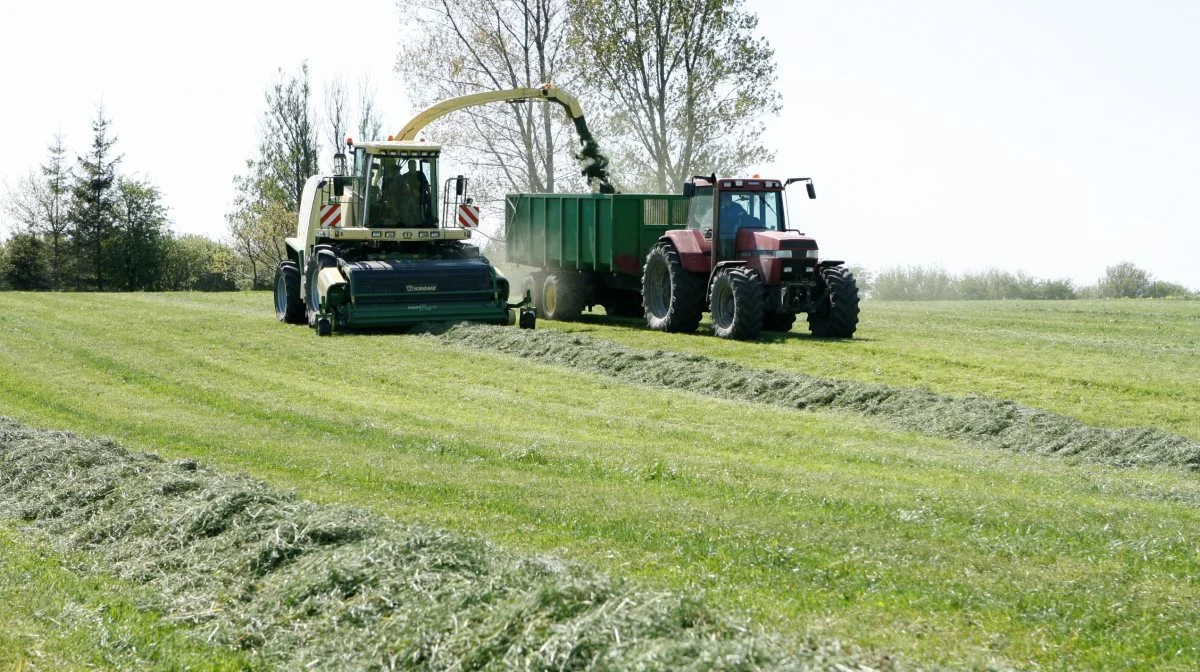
(686, 306)
(836, 312)
(748, 304)
(293, 312)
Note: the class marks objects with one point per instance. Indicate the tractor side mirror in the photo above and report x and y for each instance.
(812, 191)
(689, 189)
(339, 186)
(460, 185)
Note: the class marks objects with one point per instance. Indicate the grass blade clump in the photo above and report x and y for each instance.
(991, 422)
(303, 585)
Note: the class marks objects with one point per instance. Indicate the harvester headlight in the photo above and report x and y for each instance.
(811, 254)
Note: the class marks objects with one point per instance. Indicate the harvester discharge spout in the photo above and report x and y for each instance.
(595, 163)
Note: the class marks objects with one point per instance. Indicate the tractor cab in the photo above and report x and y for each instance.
(744, 220)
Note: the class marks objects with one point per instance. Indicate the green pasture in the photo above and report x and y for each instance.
(1114, 363)
(818, 525)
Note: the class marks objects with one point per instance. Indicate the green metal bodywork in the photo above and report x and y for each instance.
(415, 291)
(589, 232)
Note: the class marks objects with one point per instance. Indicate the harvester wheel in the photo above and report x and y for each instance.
(778, 321)
(562, 296)
(672, 296)
(289, 306)
(737, 304)
(835, 313)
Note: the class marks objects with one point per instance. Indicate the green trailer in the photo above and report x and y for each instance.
(723, 246)
(588, 249)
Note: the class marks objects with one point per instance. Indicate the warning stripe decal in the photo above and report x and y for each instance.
(468, 215)
(331, 215)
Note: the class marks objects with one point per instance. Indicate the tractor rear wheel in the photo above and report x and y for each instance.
(778, 321)
(563, 296)
(672, 296)
(835, 312)
(737, 304)
(289, 307)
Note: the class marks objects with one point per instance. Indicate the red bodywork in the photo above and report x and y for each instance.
(695, 252)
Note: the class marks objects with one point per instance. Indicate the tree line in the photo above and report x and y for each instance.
(670, 88)
(932, 283)
(293, 137)
(83, 225)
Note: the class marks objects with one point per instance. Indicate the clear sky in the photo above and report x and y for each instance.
(1054, 137)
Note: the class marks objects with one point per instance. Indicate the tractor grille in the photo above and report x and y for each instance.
(441, 281)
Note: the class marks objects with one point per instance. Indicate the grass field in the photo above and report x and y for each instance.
(1109, 363)
(55, 620)
(820, 524)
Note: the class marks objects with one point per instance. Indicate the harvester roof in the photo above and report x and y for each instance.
(406, 146)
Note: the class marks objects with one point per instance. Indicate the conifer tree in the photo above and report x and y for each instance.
(93, 207)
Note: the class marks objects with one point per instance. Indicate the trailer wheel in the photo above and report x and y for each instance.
(533, 286)
(737, 304)
(562, 296)
(289, 306)
(835, 313)
(778, 321)
(672, 296)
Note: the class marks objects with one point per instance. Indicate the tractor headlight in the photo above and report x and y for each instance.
(811, 254)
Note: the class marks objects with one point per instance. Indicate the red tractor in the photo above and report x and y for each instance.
(738, 258)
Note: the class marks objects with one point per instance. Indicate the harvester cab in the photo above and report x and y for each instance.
(738, 255)
(371, 252)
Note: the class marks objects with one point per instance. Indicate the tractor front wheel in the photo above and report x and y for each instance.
(289, 306)
(737, 304)
(835, 312)
(672, 296)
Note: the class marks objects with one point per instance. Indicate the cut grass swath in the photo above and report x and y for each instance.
(992, 422)
(302, 585)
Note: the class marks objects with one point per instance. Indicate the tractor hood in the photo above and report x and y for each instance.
(763, 240)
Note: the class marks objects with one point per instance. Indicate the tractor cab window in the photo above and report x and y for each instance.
(750, 210)
(401, 192)
(700, 210)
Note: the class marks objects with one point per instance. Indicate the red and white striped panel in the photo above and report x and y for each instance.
(468, 215)
(331, 215)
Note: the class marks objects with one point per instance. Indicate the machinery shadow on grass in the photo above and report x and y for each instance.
(705, 330)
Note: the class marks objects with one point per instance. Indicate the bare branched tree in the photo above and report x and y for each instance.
(337, 112)
(688, 83)
(370, 126)
(459, 48)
